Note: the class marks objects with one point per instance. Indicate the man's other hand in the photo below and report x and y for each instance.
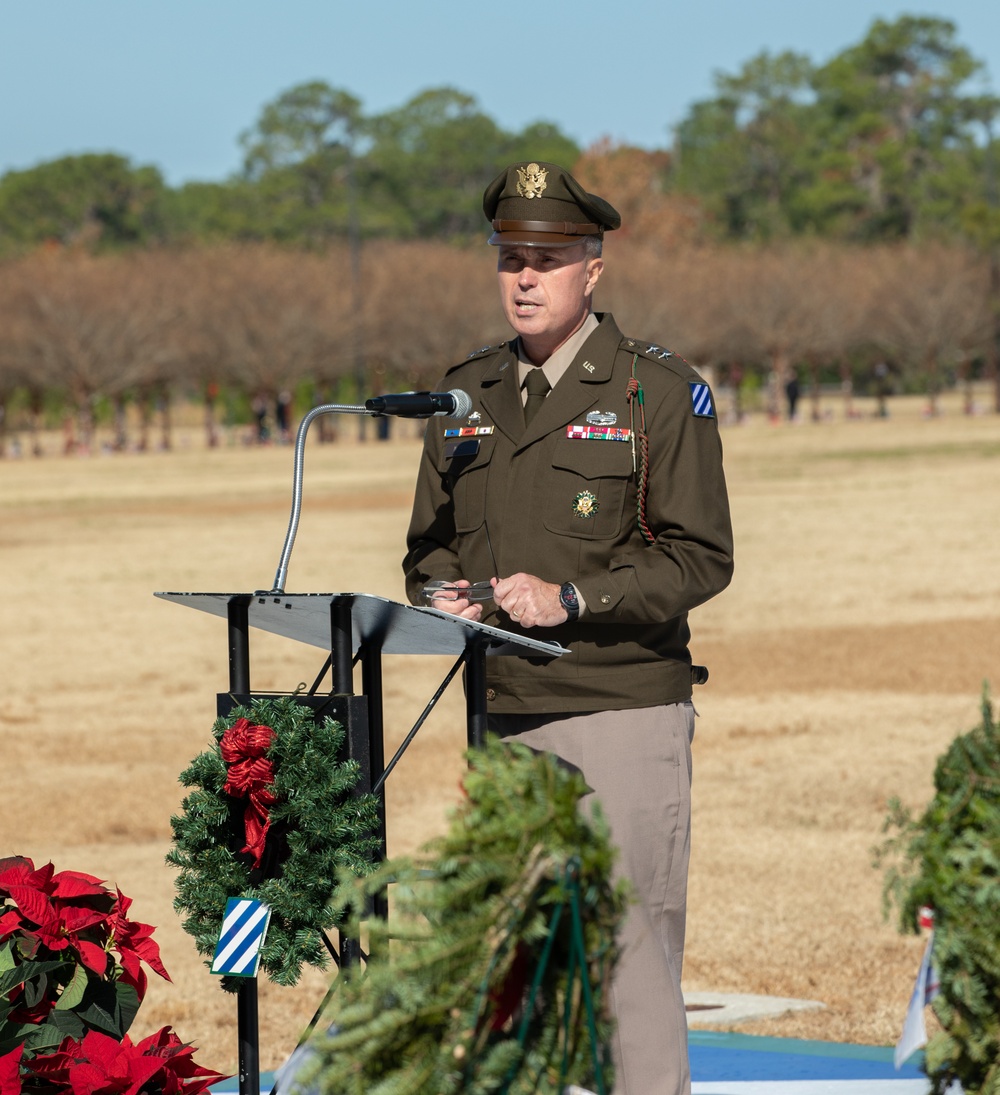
(529, 601)
(451, 600)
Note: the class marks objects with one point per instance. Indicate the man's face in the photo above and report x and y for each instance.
(546, 293)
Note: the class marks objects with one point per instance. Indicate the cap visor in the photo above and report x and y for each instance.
(535, 239)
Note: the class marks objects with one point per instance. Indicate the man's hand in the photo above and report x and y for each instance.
(450, 600)
(529, 601)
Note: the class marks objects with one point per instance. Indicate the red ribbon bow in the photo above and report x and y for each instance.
(251, 775)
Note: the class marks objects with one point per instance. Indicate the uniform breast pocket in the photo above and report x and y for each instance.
(589, 488)
(464, 467)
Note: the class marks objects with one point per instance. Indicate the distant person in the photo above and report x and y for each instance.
(259, 408)
(883, 388)
(792, 395)
(282, 412)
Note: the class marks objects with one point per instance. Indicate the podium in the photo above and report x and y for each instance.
(354, 628)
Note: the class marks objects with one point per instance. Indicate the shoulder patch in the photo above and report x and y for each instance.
(701, 400)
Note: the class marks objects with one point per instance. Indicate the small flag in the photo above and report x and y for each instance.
(237, 954)
(927, 987)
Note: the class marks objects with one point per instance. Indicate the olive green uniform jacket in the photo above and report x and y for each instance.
(564, 508)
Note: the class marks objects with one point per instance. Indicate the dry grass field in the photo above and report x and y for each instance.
(850, 649)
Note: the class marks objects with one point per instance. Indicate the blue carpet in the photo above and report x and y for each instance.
(717, 1056)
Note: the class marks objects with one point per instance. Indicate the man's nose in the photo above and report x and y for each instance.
(527, 277)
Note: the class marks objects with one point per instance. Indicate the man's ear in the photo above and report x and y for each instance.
(595, 267)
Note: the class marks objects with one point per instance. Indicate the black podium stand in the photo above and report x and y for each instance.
(354, 628)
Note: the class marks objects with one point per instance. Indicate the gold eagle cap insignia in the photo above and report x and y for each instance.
(531, 181)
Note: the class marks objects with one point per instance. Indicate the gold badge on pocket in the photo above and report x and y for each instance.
(585, 504)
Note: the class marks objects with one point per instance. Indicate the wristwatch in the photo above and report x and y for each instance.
(569, 600)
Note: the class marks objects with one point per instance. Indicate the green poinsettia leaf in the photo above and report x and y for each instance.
(73, 993)
(36, 989)
(25, 973)
(99, 1009)
(38, 1037)
(7, 959)
(127, 1004)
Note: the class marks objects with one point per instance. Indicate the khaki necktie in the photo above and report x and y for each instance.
(538, 387)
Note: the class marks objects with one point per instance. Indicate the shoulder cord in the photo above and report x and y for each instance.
(640, 463)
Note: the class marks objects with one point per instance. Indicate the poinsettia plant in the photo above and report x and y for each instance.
(101, 1065)
(71, 981)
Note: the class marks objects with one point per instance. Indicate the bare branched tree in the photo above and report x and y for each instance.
(931, 309)
(94, 327)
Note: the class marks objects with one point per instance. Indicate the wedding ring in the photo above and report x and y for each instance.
(515, 615)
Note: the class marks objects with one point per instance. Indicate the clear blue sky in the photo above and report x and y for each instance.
(174, 82)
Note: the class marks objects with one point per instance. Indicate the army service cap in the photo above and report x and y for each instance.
(541, 205)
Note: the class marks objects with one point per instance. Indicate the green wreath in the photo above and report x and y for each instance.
(284, 843)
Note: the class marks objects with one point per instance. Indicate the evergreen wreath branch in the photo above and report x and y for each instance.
(949, 860)
(477, 990)
(319, 829)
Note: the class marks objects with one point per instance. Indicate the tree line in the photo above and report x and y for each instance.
(316, 169)
(891, 139)
(810, 224)
(145, 329)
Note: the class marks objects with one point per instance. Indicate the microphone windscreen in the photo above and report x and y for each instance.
(463, 403)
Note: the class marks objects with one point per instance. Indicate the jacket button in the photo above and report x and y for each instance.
(605, 598)
(491, 693)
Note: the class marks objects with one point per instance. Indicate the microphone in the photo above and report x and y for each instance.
(453, 404)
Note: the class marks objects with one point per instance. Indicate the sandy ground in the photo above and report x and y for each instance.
(850, 649)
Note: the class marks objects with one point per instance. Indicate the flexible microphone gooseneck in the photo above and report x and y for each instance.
(453, 404)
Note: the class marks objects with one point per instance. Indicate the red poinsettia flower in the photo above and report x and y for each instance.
(10, 1072)
(181, 1075)
(55, 910)
(134, 944)
(101, 1065)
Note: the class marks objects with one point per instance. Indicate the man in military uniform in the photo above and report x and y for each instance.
(587, 488)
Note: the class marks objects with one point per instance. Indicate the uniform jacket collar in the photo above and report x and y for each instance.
(578, 390)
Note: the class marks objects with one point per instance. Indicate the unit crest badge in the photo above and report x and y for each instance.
(531, 181)
(585, 505)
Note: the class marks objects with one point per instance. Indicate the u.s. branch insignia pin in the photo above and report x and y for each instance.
(585, 504)
(531, 181)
